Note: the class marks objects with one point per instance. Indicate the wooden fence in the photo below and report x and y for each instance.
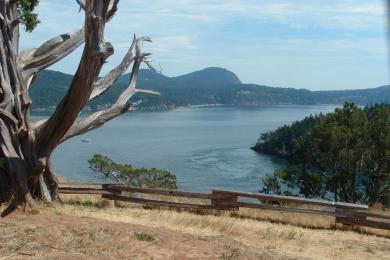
(344, 213)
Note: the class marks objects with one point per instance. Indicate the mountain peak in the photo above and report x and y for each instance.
(211, 75)
(207, 86)
(150, 75)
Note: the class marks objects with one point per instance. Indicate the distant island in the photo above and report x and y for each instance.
(208, 86)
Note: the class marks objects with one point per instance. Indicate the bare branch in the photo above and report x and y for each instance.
(150, 66)
(131, 90)
(38, 123)
(112, 9)
(34, 60)
(121, 105)
(103, 84)
(81, 4)
(52, 51)
(95, 53)
(13, 2)
(96, 120)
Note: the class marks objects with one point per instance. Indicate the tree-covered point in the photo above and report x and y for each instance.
(343, 156)
(139, 177)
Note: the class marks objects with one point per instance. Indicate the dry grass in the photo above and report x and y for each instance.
(245, 226)
(298, 219)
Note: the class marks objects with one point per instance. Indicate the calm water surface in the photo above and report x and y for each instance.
(205, 147)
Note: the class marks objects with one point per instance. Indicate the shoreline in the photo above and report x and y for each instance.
(161, 109)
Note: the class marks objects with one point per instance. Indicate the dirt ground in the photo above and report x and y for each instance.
(81, 228)
(48, 235)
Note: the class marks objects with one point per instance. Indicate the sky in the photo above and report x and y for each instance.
(311, 44)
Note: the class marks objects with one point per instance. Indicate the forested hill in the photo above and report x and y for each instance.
(207, 86)
(342, 155)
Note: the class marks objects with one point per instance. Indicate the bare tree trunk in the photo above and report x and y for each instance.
(26, 171)
(19, 160)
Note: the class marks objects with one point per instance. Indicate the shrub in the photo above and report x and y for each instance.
(140, 177)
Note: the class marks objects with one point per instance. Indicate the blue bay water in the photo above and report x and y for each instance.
(205, 147)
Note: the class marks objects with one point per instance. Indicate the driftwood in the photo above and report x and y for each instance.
(26, 172)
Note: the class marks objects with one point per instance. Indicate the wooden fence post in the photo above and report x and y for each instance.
(108, 202)
(225, 201)
(347, 217)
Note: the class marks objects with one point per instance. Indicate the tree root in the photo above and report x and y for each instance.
(45, 193)
(29, 202)
(52, 180)
(11, 207)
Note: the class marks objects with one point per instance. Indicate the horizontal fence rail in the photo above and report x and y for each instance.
(344, 213)
(280, 198)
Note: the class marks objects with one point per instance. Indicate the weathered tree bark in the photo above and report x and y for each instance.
(26, 171)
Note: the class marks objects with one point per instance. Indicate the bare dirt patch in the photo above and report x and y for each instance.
(48, 235)
(80, 228)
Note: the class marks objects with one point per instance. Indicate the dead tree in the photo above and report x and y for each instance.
(26, 171)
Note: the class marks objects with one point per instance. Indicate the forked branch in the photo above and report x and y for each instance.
(33, 61)
(112, 8)
(95, 53)
(131, 90)
(103, 84)
(122, 104)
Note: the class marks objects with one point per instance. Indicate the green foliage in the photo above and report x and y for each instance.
(143, 237)
(27, 15)
(17, 245)
(142, 177)
(29, 231)
(308, 182)
(292, 235)
(344, 154)
(271, 184)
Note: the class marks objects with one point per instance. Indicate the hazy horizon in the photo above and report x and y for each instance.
(319, 45)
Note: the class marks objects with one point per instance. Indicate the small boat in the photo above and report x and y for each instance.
(85, 140)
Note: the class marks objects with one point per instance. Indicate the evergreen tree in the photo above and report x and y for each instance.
(343, 156)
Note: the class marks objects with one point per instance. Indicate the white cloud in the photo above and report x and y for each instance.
(167, 44)
(341, 13)
(242, 35)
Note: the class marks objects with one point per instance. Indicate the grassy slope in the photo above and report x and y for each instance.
(249, 227)
(81, 227)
